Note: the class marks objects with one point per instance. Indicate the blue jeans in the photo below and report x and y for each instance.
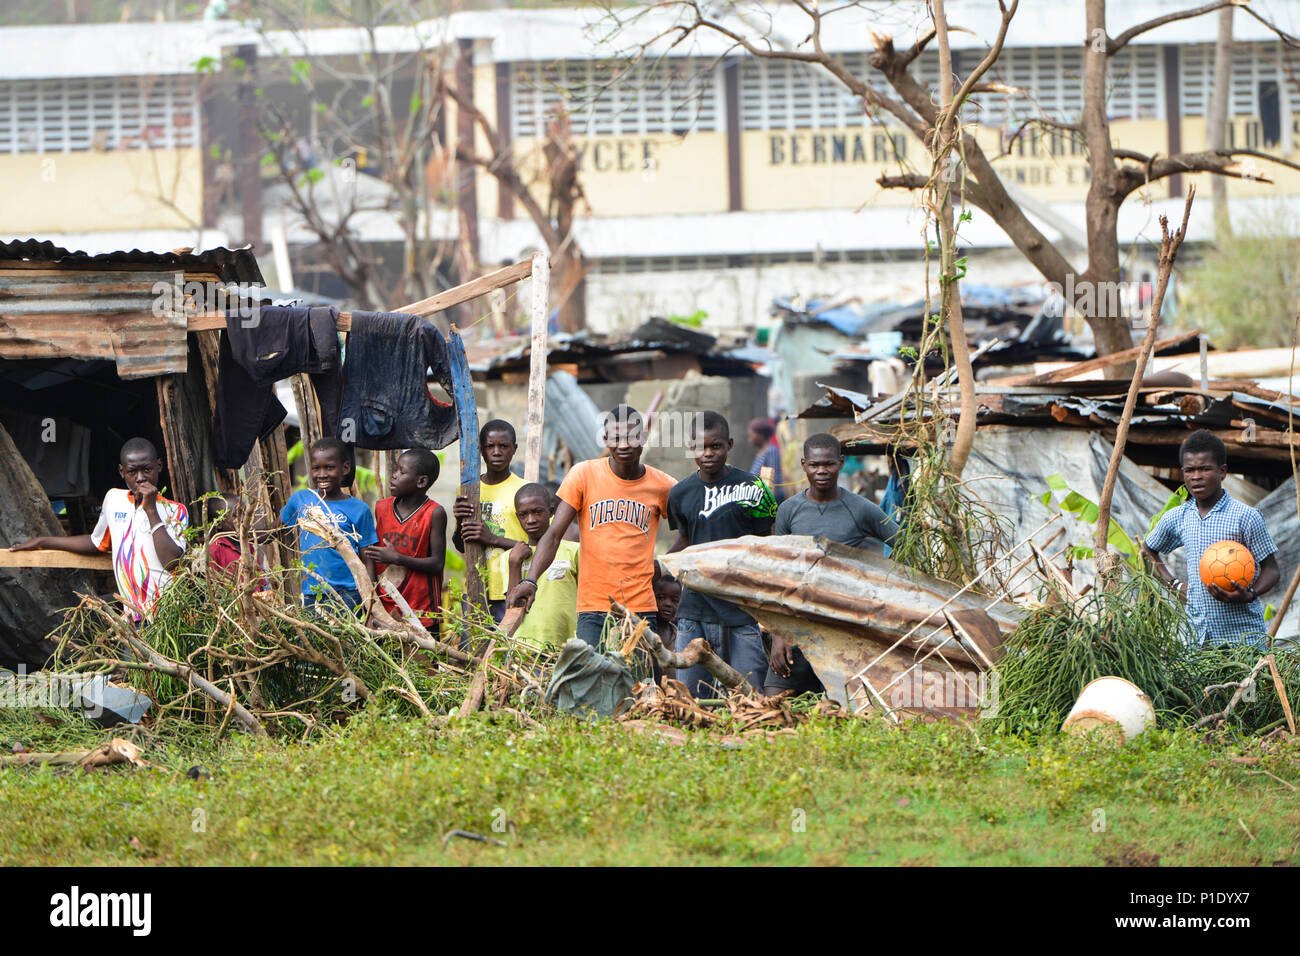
(741, 647)
(349, 598)
(592, 625)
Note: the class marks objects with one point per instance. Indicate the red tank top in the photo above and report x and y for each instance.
(422, 591)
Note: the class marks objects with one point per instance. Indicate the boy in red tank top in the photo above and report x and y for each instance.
(412, 530)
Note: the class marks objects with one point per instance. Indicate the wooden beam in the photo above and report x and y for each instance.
(49, 558)
(499, 279)
(1093, 364)
(541, 273)
(310, 426)
(181, 465)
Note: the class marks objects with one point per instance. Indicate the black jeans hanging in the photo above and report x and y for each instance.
(386, 402)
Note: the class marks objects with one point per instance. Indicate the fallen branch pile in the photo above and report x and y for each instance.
(235, 648)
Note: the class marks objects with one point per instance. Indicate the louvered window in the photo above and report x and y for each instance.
(1051, 83)
(1253, 64)
(73, 114)
(783, 95)
(602, 98)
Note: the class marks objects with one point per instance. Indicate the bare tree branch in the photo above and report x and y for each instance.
(1117, 44)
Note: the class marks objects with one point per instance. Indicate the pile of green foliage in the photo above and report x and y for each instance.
(1138, 632)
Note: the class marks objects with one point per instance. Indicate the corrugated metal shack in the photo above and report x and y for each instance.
(1036, 426)
(93, 350)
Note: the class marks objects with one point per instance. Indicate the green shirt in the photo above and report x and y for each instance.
(553, 618)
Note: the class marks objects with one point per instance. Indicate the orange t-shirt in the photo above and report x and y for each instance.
(617, 524)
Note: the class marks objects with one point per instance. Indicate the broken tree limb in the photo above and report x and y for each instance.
(1241, 687)
(116, 750)
(476, 690)
(1168, 254)
(186, 673)
(537, 356)
(698, 653)
(1281, 693)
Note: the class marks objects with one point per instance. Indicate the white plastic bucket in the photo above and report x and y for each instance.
(1114, 704)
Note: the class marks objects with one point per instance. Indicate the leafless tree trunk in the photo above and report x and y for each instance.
(1217, 122)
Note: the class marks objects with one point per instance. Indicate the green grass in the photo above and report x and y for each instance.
(386, 790)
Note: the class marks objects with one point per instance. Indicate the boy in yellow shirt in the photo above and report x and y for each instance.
(495, 526)
(553, 617)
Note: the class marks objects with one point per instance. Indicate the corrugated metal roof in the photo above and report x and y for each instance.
(230, 265)
(94, 314)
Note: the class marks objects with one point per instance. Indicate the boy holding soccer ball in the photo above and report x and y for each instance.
(1210, 521)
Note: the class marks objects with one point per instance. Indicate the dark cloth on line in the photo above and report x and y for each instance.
(255, 354)
(386, 402)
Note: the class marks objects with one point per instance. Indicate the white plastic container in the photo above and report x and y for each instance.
(1114, 704)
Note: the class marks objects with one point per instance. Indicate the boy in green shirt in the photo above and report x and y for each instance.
(553, 617)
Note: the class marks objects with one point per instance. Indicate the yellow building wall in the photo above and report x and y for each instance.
(1248, 133)
(641, 175)
(837, 169)
(101, 191)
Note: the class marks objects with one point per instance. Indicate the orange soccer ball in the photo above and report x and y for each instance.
(1228, 564)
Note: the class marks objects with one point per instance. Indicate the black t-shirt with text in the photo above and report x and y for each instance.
(737, 504)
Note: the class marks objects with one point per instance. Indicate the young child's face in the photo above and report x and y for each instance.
(710, 450)
(226, 513)
(534, 514)
(405, 479)
(668, 594)
(1202, 476)
(498, 450)
(328, 469)
(139, 469)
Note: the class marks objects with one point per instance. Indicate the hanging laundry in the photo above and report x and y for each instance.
(385, 383)
(284, 341)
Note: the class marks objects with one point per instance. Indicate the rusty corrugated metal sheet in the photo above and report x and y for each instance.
(229, 265)
(845, 607)
(93, 315)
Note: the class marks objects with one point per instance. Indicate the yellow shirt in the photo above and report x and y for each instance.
(553, 617)
(497, 508)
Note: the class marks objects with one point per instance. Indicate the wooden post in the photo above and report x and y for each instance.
(181, 465)
(209, 349)
(309, 417)
(1168, 253)
(537, 368)
(462, 394)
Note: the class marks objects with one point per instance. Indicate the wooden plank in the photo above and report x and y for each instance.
(49, 558)
(541, 273)
(181, 466)
(1093, 364)
(309, 416)
(435, 303)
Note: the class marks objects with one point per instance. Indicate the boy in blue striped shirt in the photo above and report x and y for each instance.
(1217, 616)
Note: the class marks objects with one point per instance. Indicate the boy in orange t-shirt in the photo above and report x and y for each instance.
(618, 503)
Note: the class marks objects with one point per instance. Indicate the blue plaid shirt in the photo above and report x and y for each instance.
(1229, 520)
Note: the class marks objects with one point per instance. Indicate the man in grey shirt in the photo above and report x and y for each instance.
(833, 512)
